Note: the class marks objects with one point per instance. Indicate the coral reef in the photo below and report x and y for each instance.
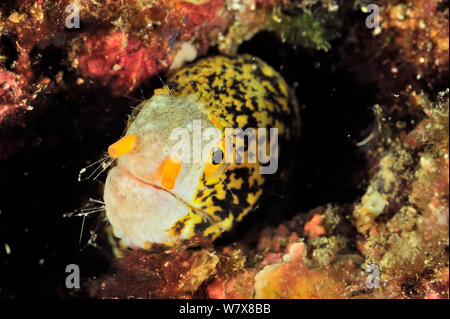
(400, 222)
(123, 43)
(159, 274)
(10, 93)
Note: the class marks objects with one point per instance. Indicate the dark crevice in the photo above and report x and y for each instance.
(8, 51)
(49, 61)
(336, 113)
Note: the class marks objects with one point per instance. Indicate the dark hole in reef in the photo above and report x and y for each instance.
(8, 51)
(63, 132)
(49, 61)
(42, 152)
(442, 5)
(8, 7)
(409, 288)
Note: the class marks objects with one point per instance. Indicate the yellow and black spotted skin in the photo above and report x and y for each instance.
(244, 92)
(151, 196)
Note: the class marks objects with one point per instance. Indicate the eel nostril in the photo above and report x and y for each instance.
(123, 146)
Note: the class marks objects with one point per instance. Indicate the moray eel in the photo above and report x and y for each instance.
(151, 196)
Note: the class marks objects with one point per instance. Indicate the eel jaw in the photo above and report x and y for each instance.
(140, 212)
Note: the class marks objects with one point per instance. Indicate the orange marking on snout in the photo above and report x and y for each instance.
(164, 91)
(123, 146)
(170, 169)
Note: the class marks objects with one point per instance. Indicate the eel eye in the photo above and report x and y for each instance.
(217, 157)
(212, 167)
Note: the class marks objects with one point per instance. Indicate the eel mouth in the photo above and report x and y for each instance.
(160, 188)
(145, 183)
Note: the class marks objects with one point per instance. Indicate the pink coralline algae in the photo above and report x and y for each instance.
(120, 44)
(124, 59)
(10, 93)
(121, 60)
(314, 228)
(236, 286)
